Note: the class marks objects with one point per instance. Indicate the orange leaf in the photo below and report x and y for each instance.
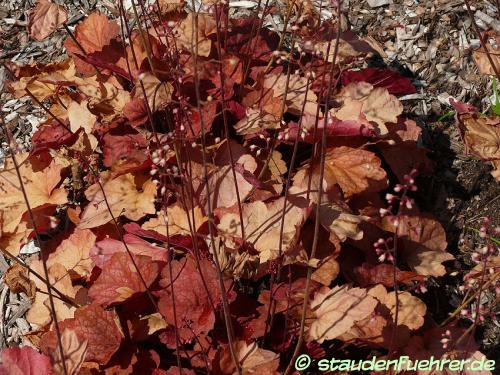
(40, 186)
(73, 253)
(45, 19)
(354, 170)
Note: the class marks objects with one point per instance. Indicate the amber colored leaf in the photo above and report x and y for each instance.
(411, 309)
(170, 6)
(80, 117)
(262, 223)
(193, 305)
(339, 221)
(178, 220)
(365, 104)
(424, 241)
(337, 310)
(174, 370)
(123, 143)
(40, 185)
(482, 136)
(123, 198)
(43, 83)
(158, 93)
(106, 98)
(222, 182)
(96, 32)
(73, 253)
(298, 93)
(378, 327)
(74, 353)
(40, 311)
(45, 19)
(186, 30)
(136, 112)
(95, 325)
(251, 358)
(24, 361)
(120, 280)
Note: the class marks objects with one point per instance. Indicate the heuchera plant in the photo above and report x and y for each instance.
(212, 196)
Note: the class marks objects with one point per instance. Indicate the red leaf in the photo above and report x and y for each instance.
(122, 142)
(104, 249)
(136, 112)
(394, 82)
(52, 136)
(24, 361)
(462, 107)
(368, 274)
(120, 279)
(94, 324)
(193, 307)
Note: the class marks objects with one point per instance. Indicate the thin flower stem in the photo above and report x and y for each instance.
(225, 302)
(318, 203)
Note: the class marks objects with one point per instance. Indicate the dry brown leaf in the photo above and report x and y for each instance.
(45, 83)
(339, 221)
(482, 137)
(297, 93)
(222, 184)
(411, 310)
(337, 310)
(17, 279)
(326, 271)
(255, 121)
(123, 198)
(170, 6)
(45, 19)
(481, 59)
(107, 99)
